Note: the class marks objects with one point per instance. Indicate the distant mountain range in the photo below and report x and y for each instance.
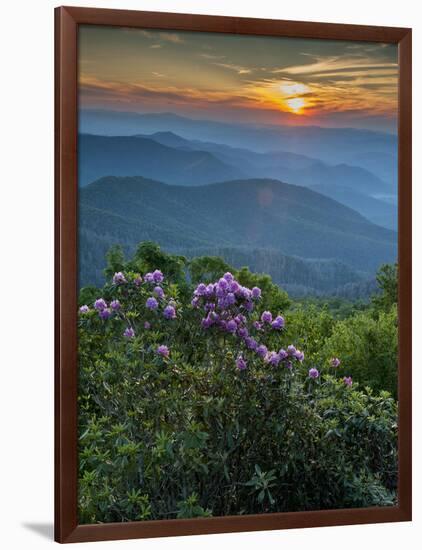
(316, 208)
(169, 158)
(376, 151)
(256, 222)
(129, 156)
(383, 164)
(292, 167)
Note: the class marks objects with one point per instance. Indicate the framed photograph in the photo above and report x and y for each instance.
(233, 274)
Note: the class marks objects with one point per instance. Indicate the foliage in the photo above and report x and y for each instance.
(339, 308)
(148, 256)
(205, 269)
(309, 327)
(387, 282)
(273, 297)
(196, 401)
(368, 348)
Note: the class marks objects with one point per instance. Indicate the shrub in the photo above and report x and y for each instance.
(309, 327)
(368, 348)
(202, 406)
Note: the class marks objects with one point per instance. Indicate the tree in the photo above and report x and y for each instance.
(207, 268)
(367, 347)
(149, 256)
(115, 261)
(387, 282)
(273, 296)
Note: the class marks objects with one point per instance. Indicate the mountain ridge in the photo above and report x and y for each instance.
(328, 144)
(124, 156)
(169, 158)
(259, 213)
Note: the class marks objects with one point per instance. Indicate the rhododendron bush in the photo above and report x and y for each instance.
(194, 402)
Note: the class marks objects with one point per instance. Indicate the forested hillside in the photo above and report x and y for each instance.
(268, 225)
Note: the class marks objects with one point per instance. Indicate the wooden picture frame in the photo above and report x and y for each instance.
(67, 20)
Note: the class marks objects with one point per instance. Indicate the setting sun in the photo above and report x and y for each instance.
(292, 92)
(296, 104)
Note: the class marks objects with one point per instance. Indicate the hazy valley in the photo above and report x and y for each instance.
(315, 226)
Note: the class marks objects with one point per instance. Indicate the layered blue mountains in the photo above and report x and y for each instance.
(316, 208)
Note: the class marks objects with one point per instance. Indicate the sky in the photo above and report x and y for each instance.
(251, 79)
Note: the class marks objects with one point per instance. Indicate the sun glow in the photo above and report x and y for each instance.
(293, 96)
(296, 105)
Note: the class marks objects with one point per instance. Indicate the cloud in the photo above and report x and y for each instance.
(350, 91)
(333, 63)
(374, 73)
(272, 95)
(91, 87)
(171, 37)
(165, 36)
(232, 67)
(211, 56)
(254, 102)
(292, 89)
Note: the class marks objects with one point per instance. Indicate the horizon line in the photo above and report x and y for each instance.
(237, 123)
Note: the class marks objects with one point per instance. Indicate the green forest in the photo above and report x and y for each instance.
(209, 389)
(309, 244)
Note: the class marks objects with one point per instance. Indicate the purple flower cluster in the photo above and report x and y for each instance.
(129, 333)
(159, 292)
(262, 351)
(256, 293)
(151, 303)
(169, 312)
(104, 312)
(267, 317)
(119, 278)
(226, 305)
(278, 323)
(163, 351)
(335, 362)
(115, 305)
(241, 364)
(154, 277)
(295, 353)
(100, 304)
(348, 380)
(225, 294)
(274, 358)
(313, 373)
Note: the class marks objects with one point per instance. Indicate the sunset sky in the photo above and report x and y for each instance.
(260, 80)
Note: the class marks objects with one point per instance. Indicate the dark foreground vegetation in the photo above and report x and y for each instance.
(206, 391)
